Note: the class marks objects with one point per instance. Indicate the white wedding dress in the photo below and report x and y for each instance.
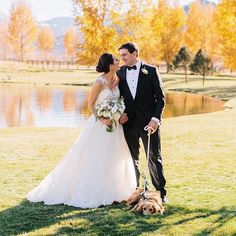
(98, 169)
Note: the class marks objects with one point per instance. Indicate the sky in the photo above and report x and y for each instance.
(47, 9)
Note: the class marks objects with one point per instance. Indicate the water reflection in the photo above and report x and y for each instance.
(179, 104)
(42, 106)
(66, 106)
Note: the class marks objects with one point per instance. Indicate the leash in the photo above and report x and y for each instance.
(147, 128)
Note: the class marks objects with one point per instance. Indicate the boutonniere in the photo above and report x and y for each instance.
(144, 70)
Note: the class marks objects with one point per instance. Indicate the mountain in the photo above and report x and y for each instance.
(59, 26)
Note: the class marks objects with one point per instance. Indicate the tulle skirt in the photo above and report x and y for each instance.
(98, 170)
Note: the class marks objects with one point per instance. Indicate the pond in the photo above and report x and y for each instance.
(66, 106)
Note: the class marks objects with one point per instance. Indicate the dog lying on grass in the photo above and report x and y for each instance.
(148, 202)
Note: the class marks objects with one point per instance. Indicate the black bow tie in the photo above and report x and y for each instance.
(132, 67)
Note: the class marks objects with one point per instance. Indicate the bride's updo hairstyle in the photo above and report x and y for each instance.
(104, 63)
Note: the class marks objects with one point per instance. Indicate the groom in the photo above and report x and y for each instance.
(144, 98)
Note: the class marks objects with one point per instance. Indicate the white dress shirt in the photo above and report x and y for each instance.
(132, 78)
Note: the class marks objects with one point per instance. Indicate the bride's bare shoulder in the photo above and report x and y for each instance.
(100, 80)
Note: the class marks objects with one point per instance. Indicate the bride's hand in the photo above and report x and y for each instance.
(106, 121)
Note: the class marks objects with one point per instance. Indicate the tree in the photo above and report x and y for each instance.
(167, 25)
(70, 42)
(4, 46)
(138, 29)
(201, 64)
(22, 30)
(226, 27)
(200, 29)
(46, 41)
(98, 33)
(183, 58)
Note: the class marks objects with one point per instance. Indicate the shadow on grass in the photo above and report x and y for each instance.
(111, 220)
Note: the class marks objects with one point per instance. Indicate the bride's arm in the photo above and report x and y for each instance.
(95, 90)
(93, 95)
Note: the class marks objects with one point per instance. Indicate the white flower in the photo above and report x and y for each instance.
(114, 109)
(111, 109)
(144, 70)
(116, 116)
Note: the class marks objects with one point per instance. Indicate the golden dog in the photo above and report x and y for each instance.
(149, 204)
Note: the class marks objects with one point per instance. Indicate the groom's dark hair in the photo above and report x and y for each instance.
(131, 47)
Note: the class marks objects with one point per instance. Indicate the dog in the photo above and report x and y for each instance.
(135, 197)
(148, 202)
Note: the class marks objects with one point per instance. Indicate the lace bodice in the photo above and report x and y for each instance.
(106, 92)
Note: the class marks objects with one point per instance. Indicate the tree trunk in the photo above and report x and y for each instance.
(21, 49)
(203, 79)
(167, 68)
(185, 71)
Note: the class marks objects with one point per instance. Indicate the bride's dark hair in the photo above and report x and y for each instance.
(104, 62)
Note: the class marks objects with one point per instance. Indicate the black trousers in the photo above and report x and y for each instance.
(133, 132)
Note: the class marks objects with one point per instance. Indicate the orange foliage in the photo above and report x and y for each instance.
(22, 30)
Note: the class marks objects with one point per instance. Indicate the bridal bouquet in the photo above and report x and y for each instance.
(110, 109)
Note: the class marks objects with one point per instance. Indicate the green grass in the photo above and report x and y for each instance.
(199, 153)
(21, 73)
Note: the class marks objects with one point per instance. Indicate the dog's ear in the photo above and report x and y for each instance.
(158, 208)
(140, 207)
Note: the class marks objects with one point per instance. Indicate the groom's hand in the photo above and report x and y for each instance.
(123, 119)
(152, 126)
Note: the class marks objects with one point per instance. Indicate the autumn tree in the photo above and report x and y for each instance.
(201, 64)
(70, 42)
(200, 29)
(183, 58)
(226, 27)
(4, 45)
(138, 29)
(98, 33)
(46, 41)
(22, 29)
(167, 25)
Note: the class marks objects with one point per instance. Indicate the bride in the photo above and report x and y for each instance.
(98, 169)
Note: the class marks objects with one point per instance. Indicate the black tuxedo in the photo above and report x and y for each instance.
(149, 102)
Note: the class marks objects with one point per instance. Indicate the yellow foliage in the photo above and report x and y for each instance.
(226, 27)
(22, 30)
(134, 25)
(46, 40)
(99, 37)
(200, 32)
(158, 29)
(167, 25)
(70, 42)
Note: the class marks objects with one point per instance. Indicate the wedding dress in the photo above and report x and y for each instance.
(98, 169)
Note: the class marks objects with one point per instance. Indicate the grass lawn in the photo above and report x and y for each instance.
(199, 153)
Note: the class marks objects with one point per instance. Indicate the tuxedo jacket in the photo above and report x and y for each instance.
(149, 100)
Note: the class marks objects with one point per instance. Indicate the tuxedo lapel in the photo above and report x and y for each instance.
(126, 86)
(140, 77)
